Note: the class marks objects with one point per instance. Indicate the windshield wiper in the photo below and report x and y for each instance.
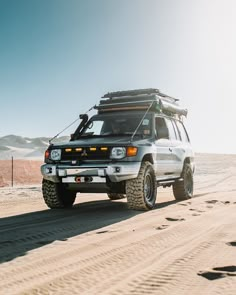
(117, 134)
(81, 136)
(89, 135)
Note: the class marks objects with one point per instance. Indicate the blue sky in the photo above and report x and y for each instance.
(58, 57)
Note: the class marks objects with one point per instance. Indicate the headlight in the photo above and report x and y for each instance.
(118, 153)
(55, 154)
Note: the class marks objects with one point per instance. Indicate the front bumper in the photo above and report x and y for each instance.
(116, 172)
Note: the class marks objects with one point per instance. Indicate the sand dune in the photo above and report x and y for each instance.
(24, 147)
(101, 247)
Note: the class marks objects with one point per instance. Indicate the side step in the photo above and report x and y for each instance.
(166, 183)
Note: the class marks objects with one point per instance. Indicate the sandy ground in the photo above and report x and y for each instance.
(101, 247)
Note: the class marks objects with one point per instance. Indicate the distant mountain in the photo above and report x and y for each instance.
(24, 147)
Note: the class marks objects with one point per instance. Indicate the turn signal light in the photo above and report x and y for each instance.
(103, 148)
(68, 150)
(47, 154)
(78, 149)
(131, 151)
(92, 149)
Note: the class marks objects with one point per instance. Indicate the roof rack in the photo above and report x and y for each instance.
(130, 92)
(140, 99)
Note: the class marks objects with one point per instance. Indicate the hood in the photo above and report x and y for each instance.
(111, 140)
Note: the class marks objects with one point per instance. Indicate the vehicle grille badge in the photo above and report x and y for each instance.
(84, 154)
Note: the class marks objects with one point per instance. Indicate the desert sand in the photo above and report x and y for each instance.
(101, 247)
(24, 172)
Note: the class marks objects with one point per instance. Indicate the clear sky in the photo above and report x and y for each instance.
(58, 57)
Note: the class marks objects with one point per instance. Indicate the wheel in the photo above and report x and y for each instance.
(141, 191)
(113, 196)
(183, 189)
(56, 196)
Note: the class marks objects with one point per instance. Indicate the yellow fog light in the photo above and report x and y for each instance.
(78, 149)
(92, 149)
(103, 148)
(68, 150)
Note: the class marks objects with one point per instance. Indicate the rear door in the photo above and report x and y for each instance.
(181, 146)
(177, 147)
(164, 164)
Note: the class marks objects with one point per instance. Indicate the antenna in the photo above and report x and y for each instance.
(50, 140)
(141, 121)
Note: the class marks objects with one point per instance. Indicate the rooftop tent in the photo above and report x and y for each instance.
(140, 99)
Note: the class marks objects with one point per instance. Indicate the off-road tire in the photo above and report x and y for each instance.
(183, 190)
(114, 196)
(141, 191)
(56, 196)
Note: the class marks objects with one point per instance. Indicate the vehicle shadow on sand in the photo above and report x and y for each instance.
(23, 233)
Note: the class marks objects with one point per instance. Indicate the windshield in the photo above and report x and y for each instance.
(118, 124)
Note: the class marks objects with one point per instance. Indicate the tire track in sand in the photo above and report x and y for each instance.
(116, 264)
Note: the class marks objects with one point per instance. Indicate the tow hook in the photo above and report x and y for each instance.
(79, 179)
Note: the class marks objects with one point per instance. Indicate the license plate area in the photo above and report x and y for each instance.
(87, 179)
(84, 179)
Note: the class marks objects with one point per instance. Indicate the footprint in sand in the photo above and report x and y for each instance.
(230, 268)
(211, 201)
(225, 202)
(219, 272)
(197, 210)
(163, 226)
(232, 243)
(174, 219)
(211, 275)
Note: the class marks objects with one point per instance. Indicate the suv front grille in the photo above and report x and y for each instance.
(85, 153)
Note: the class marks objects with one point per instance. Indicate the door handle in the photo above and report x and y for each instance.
(170, 149)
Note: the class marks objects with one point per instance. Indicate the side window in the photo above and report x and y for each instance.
(172, 134)
(161, 128)
(183, 133)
